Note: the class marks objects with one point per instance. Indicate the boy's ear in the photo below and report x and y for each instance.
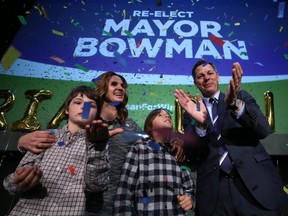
(66, 112)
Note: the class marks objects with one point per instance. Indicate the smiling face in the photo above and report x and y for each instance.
(162, 120)
(207, 80)
(116, 90)
(158, 120)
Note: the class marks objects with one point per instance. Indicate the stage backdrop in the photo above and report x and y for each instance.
(153, 44)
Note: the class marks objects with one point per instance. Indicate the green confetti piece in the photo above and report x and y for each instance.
(286, 56)
(107, 33)
(186, 168)
(244, 53)
(230, 34)
(82, 67)
(22, 20)
(227, 24)
(129, 33)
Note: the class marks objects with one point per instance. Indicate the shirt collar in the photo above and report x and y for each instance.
(216, 96)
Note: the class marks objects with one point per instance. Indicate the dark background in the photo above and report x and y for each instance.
(10, 24)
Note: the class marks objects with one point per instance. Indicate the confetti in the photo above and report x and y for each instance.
(186, 168)
(152, 68)
(230, 34)
(22, 20)
(115, 103)
(57, 32)
(244, 53)
(258, 63)
(128, 33)
(59, 60)
(71, 169)
(146, 199)
(153, 94)
(96, 79)
(139, 43)
(149, 61)
(9, 57)
(285, 188)
(51, 132)
(281, 9)
(124, 13)
(86, 110)
(61, 143)
(106, 33)
(81, 67)
(41, 10)
(216, 40)
(154, 146)
(198, 106)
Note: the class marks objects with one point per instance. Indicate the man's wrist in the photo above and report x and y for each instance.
(236, 106)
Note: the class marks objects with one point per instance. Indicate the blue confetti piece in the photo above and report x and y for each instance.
(115, 103)
(146, 200)
(61, 143)
(51, 132)
(96, 79)
(154, 146)
(86, 110)
(281, 8)
(198, 106)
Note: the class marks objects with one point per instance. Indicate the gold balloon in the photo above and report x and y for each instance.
(30, 122)
(57, 118)
(269, 109)
(6, 106)
(179, 115)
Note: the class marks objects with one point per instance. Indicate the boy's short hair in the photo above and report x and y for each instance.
(83, 90)
(149, 119)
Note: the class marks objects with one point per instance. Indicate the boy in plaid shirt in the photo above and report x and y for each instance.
(55, 181)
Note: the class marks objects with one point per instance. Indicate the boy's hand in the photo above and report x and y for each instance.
(27, 177)
(185, 202)
(98, 132)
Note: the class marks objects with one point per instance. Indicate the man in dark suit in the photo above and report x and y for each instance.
(235, 175)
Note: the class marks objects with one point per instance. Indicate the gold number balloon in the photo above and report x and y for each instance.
(30, 122)
(269, 109)
(6, 106)
(179, 115)
(57, 118)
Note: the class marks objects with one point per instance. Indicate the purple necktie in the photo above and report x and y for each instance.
(226, 164)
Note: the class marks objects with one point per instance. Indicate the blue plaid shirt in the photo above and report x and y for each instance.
(150, 181)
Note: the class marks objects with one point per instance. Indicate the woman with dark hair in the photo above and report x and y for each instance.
(152, 181)
(112, 90)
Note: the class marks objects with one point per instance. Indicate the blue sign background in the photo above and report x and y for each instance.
(55, 27)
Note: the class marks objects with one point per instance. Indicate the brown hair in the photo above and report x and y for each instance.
(102, 86)
(149, 119)
(201, 62)
(83, 90)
